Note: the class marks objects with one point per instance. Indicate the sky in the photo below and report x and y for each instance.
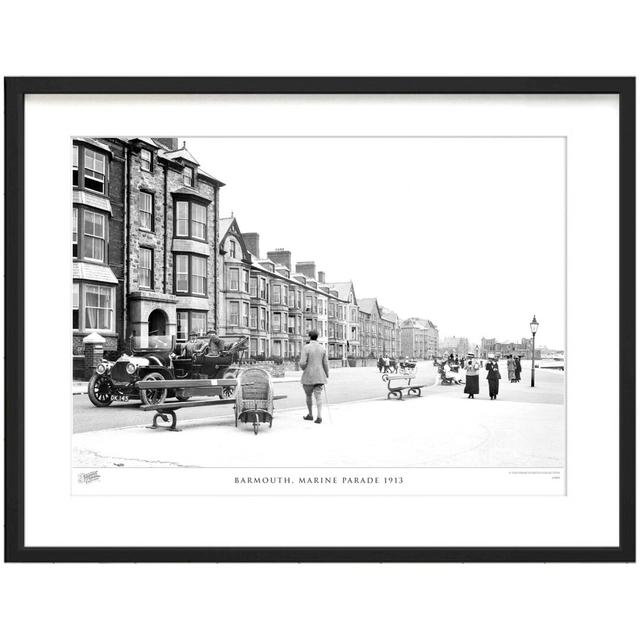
(468, 232)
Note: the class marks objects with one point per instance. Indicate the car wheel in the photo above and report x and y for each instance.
(100, 390)
(153, 396)
(231, 374)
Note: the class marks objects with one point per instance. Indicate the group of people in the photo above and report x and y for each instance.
(391, 365)
(211, 344)
(452, 371)
(514, 368)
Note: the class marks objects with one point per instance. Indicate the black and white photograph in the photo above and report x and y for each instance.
(363, 305)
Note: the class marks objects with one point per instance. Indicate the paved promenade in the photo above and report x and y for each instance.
(524, 427)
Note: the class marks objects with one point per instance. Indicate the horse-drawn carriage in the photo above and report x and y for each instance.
(155, 358)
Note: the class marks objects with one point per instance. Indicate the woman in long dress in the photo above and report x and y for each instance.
(511, 369)
(472, 385)
(493, 377)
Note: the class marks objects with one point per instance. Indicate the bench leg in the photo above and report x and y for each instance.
(165, 416)
(397, 394)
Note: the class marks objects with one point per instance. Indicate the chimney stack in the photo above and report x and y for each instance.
(172, 143)
(280, 256)
(307, 269)
(321, 277)
(252, 240)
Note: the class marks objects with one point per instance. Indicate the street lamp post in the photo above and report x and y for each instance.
(534, 328)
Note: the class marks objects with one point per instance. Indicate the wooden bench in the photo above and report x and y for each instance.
(166, 411)
(400, 382)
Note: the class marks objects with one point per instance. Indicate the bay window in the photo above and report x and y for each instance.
(263, 320)
(245, 281)
(245, 314)
(198, 275)
(234, 276)
(190, 274)
(198, 221)
(233, 311)
(276, 322)
(253, 290)
(189, 321)
(190, 220)
(275, 294)
(98, 307)
(94, 236)
(253, 319)
(182, 218)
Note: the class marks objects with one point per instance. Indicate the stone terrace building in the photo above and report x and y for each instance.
(391, 332)
(348, 319)
(419, 338)
(145, 225)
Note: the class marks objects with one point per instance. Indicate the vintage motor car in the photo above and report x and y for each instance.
(158, 358)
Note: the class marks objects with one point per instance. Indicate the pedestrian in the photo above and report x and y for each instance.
(190, 348)
(315, 371)
(511, 368)
(518, 368)
(380, 364)
(214, 346)
(387, 362)
(462, 362)
(493, 377)
(472, 384)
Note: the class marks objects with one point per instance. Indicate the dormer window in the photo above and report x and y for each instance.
(187, 176)
(232, 248)
(94, 170)
(145, 159)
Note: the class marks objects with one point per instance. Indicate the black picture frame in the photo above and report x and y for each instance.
(15, 91)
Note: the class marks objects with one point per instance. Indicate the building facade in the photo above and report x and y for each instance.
(145, 224)
(152, 256)
(419, 338)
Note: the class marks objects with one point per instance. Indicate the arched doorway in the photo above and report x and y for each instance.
(157, 323)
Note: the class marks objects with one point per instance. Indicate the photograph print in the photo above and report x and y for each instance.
(317, 314)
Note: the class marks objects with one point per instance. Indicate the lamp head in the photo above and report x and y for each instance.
(534, 325)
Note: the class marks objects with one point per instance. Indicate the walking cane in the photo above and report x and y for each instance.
(327, 402)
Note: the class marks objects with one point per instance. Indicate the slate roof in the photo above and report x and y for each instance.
(343, 288)
(182, 154)
(368, 305)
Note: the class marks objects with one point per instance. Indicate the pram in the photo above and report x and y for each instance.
(254, 398)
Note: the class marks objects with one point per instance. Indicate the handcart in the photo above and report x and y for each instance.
(254, 397)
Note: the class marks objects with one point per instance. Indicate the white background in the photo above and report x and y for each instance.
(490, 38)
